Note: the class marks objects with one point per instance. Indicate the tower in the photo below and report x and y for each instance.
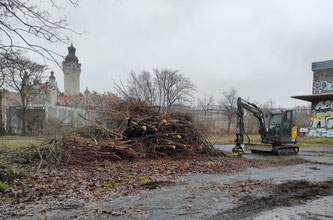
(53, 89)
(72, 72)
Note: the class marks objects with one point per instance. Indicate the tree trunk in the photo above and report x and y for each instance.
(23, 131)
(229, 122)
(229, 125)
(2, 129)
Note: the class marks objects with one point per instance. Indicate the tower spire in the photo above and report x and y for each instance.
(71, 54)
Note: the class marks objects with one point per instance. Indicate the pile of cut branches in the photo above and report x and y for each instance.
(128, 130)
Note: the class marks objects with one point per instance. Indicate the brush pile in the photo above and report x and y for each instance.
(128, 130)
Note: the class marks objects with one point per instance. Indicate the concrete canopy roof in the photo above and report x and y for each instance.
(327, 64)
(314, 97)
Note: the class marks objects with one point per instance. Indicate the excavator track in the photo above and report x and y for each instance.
(277, 150)
(285, 150)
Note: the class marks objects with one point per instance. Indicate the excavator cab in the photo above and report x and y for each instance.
(282, 127)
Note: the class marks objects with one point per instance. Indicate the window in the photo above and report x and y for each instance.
(294, 118)
(287, 121)
(275, 122)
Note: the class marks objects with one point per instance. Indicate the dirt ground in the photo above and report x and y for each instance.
(253, 186)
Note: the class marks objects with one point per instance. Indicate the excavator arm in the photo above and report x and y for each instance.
(258, 113)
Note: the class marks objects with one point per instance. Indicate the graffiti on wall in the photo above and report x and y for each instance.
(322, 120)
(322, 115)
(320, 132)
(320, 86)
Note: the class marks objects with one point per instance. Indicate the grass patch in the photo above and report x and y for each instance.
(3, 186)
(20, 138)
(131, 179)
(143, 179)
(18, 142)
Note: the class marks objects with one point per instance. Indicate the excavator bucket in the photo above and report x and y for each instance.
(238, 150)
(259, 147)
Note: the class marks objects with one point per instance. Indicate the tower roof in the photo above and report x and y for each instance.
(71, 57)
(52, 77)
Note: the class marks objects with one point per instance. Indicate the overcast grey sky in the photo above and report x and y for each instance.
(262, 48)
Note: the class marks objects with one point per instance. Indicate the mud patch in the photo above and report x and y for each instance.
(315, 216)
(319, 163)
(287, 194)
(250, 187)
(133, 212)
(318, 152)
(156, 184)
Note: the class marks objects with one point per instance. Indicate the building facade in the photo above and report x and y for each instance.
(321, 122)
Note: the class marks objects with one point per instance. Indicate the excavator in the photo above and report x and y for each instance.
(279, 137)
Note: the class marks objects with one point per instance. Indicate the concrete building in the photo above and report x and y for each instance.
(321, 124)
(72, 72)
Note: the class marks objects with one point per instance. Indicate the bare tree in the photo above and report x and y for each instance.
(205, 103)
(142, 87)
(25, 26)
(229, 102)
(164, 88)
(173, 87)
(268, 105)
(21, 74)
